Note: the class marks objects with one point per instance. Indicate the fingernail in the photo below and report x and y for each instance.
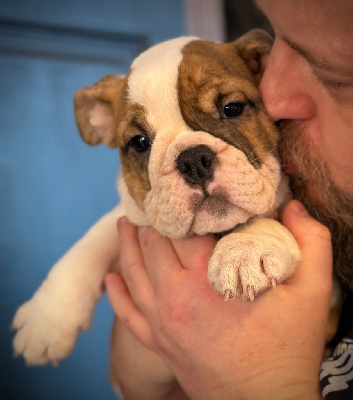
(122, 221)
(143, 229)
(299, 209)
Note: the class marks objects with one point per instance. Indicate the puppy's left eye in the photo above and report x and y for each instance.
(140, 143)
(232, 110)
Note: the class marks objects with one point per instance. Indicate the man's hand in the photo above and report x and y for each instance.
(267, 349)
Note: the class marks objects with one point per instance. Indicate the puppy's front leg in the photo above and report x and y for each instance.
(50, 321)
(255, 257)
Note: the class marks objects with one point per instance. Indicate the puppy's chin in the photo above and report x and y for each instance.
(211, 217)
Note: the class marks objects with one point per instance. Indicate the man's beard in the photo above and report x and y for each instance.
(314, 187)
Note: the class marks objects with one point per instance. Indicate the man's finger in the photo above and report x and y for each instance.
(132, 264)
(161, 260)
(314, 241)
(126, 310)
(195, 251)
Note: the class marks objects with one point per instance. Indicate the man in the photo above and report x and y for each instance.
(270, 348)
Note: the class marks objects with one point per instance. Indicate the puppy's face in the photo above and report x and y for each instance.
(198, 153)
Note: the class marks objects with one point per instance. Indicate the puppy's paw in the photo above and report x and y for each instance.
(48, 325)
(246, 264)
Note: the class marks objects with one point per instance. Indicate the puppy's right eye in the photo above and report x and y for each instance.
(139, 143)
(233, 110)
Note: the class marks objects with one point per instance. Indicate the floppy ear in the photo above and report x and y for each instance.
(96, 109)
(253, 47)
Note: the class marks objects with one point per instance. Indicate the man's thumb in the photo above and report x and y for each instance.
(314, 241)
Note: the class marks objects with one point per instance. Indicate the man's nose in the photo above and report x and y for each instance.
(285, 85)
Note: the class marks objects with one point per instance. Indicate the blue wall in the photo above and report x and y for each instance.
(53, 186)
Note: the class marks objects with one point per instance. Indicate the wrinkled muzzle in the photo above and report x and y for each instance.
(200, 184)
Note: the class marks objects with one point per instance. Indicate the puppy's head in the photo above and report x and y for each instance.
(198, 152)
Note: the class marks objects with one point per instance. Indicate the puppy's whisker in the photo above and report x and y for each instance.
(250, 159)
(255, 159)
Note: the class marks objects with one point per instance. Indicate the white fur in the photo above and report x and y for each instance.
(50, 321)
(258, 254)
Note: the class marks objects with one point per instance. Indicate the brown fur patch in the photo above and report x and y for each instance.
(213, 75)
(135, 164)
(122, 120)
(107, 95)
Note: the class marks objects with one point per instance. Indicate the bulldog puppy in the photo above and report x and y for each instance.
(198, 155)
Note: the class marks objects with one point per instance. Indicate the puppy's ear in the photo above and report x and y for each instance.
(253, 48)
(96, 109)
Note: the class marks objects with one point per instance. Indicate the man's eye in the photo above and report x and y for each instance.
(233, 110)
(139, 143)
(332, 84)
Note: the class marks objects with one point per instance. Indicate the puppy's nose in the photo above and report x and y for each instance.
(196, 164)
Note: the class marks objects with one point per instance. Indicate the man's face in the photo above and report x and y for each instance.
(308, 86)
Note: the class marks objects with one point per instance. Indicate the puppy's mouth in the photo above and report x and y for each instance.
(217, 204)
(205, 206)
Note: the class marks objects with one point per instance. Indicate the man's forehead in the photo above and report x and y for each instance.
(316, 59)
(320, 30)
(317, 16)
